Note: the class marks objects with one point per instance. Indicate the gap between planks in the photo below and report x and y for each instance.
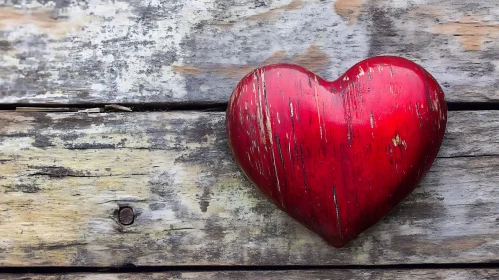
(198, 106)
(118, 107)
(244, 268)
(361, 274)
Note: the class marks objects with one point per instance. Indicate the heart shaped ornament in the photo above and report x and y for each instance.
(337, 155)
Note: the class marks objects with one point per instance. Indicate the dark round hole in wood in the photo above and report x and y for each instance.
(126, 216)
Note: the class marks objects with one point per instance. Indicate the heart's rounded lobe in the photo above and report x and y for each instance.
(337, 156)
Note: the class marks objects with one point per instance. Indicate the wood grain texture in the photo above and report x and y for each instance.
(344, 274)
(196, 51)
(63, 177)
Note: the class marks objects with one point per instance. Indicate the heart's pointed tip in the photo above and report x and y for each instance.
(338, 244)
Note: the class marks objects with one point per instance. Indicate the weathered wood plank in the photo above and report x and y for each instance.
(63, 177)
(336, 274)
(195, 51)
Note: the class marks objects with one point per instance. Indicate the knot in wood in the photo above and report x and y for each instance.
(126, 216)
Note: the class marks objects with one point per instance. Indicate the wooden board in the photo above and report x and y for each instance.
(191, 51)
(64, 176)
(361, 274)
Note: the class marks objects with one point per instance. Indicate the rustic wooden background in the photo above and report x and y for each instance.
(68, 162)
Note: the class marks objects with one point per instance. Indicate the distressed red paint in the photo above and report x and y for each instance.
(337, 156)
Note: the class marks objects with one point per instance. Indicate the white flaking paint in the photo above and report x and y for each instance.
(361, 72)
(318, 110)
(371, 119)
(268, 126)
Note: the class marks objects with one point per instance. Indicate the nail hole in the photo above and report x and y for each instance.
(126, 216)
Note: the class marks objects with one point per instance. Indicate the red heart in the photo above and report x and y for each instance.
(337, 156)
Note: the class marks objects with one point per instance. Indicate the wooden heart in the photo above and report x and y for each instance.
(337, 156)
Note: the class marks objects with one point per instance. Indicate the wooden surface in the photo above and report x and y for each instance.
(196, 51)
(363, 274)
(63, 177)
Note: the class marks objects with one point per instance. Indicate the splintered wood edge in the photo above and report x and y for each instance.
(360, 274)
(64, 177)
(196, 51)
